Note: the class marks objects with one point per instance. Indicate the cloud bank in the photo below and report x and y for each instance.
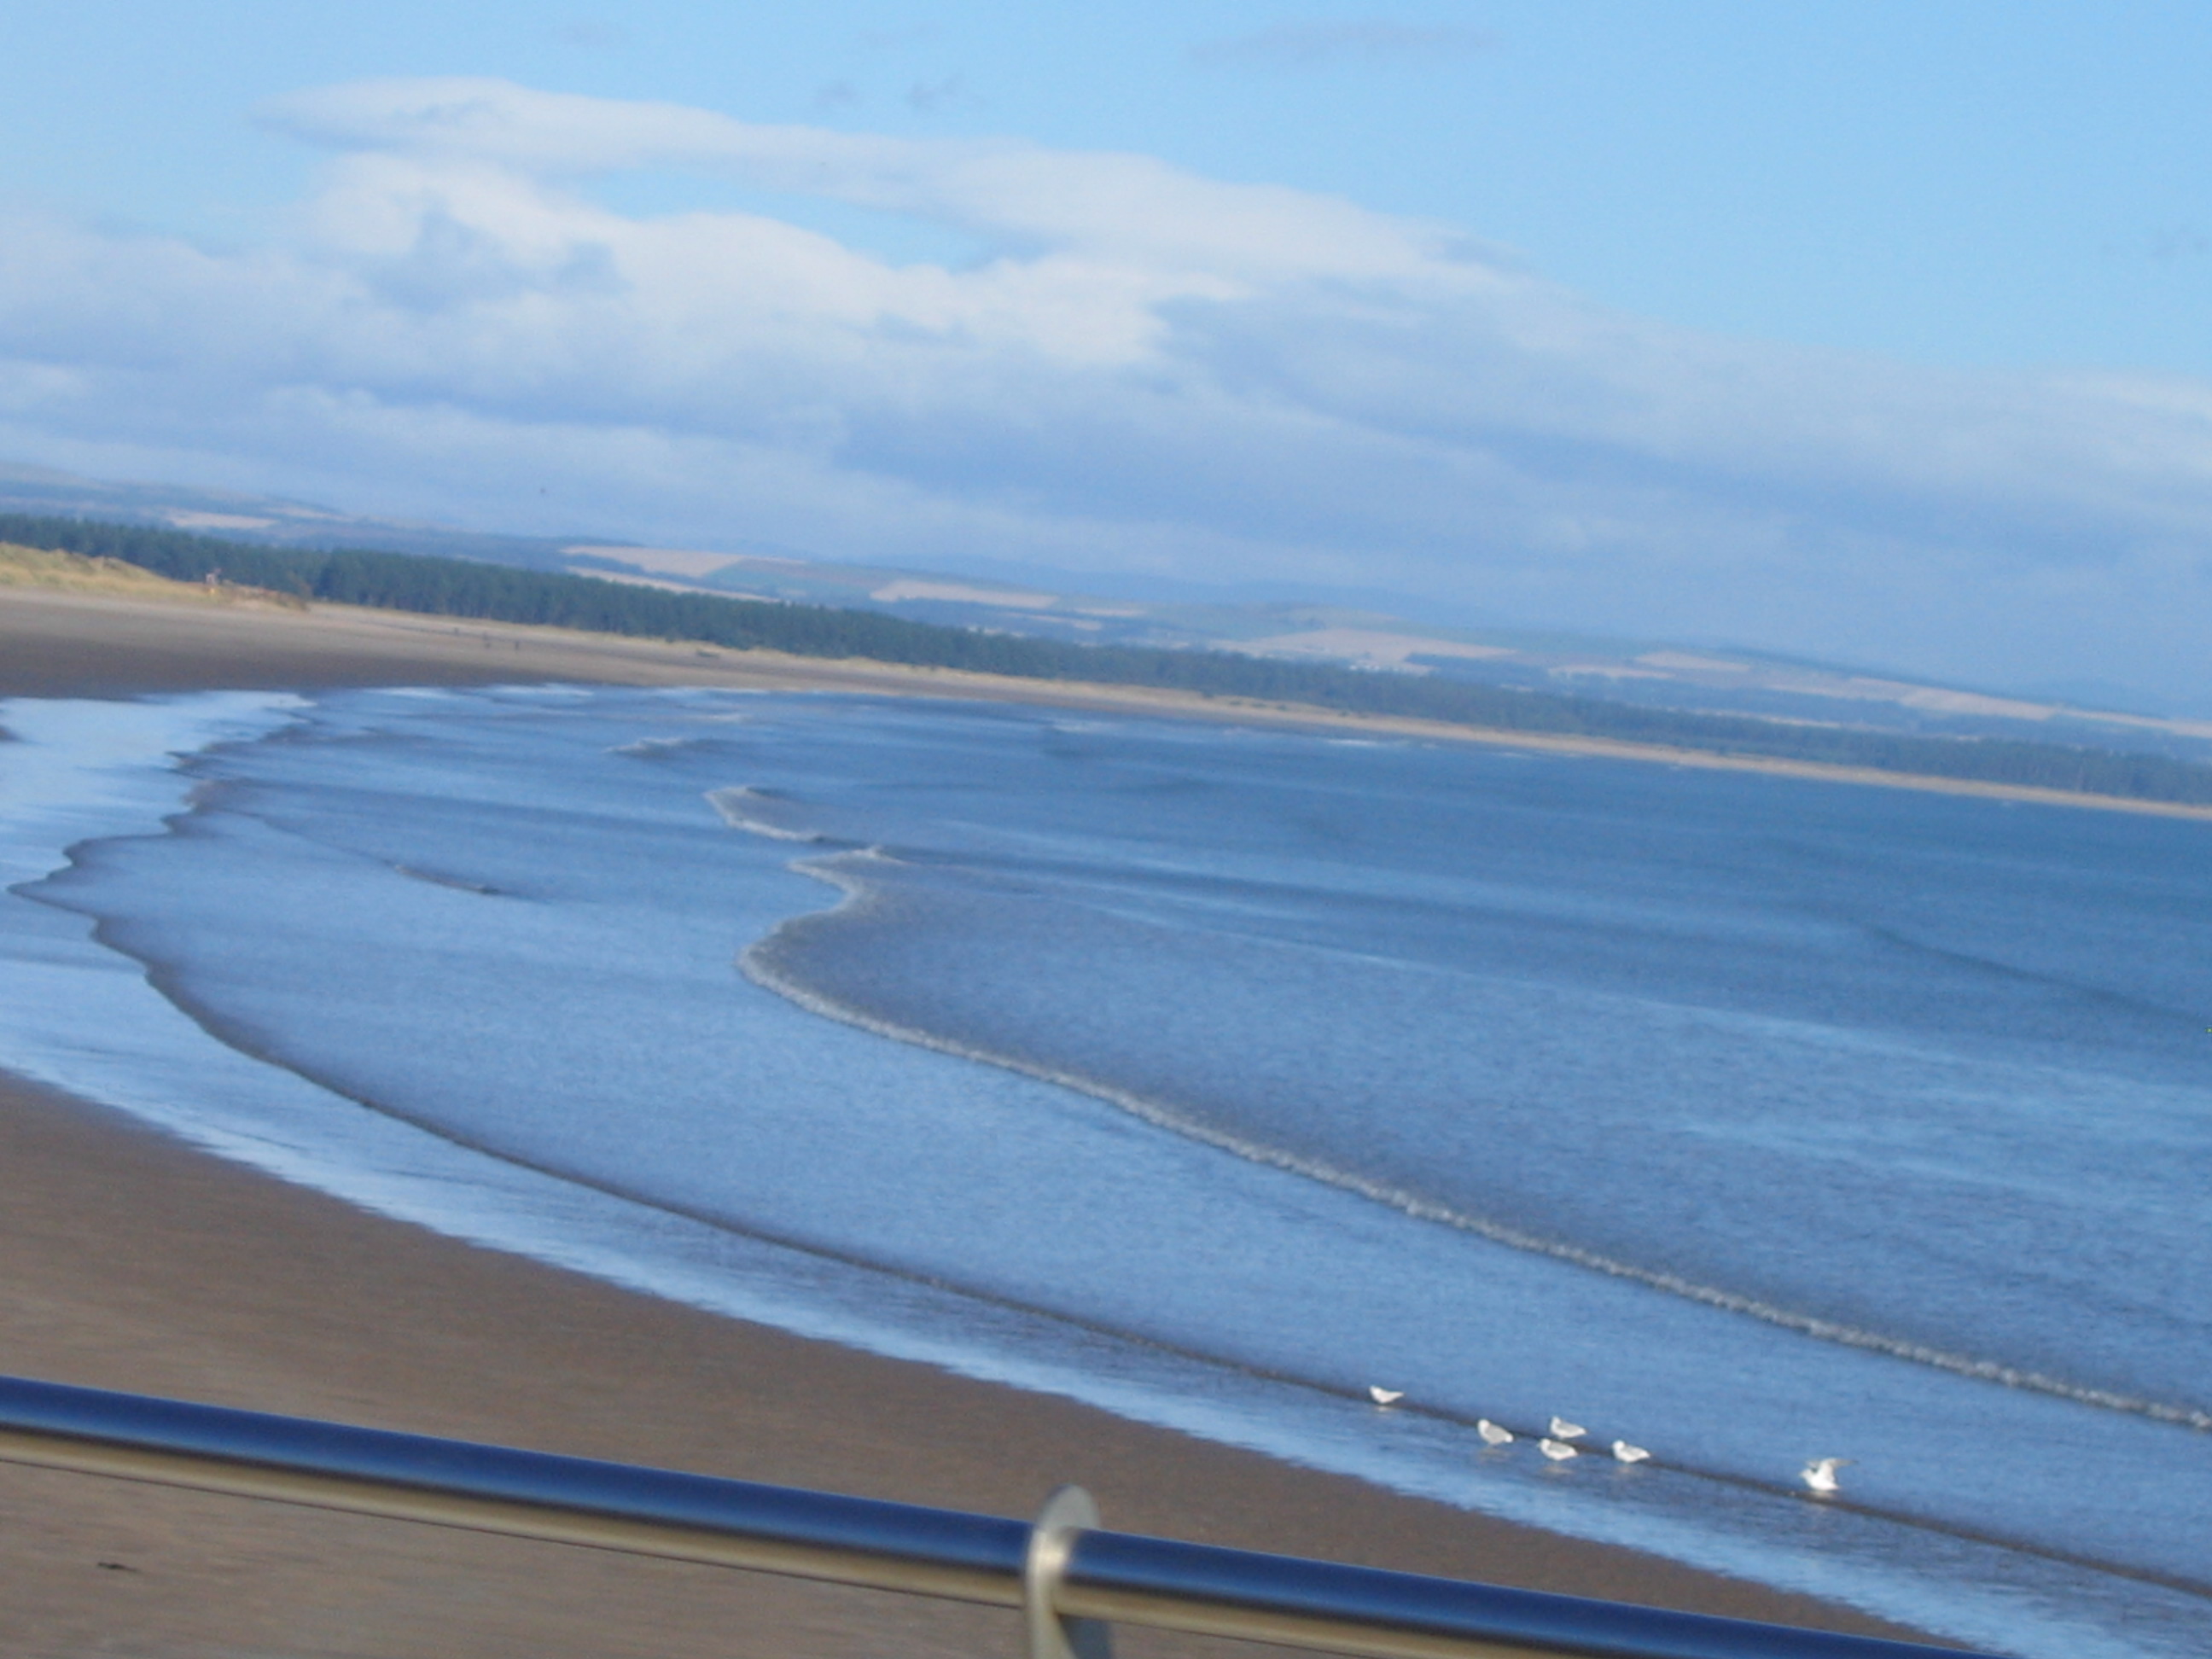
(1140, 371)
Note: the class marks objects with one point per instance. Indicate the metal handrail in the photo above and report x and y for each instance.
(1076, 1573)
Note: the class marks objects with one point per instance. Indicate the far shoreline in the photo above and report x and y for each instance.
(56, 644)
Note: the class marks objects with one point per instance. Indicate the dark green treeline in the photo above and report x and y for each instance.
(459, 587)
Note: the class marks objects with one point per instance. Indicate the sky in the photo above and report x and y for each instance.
(1877, 333)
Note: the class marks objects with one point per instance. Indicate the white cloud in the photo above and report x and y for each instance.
(1144, 371)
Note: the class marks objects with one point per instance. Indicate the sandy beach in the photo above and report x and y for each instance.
(66, 644)
(132, 1261)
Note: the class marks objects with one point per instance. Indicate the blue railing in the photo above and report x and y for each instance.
(1071, 1578)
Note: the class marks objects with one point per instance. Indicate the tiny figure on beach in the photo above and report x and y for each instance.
(1492, 1434)
(1563, 1430)
(1385, 1396)
(1819, 1474)
(1625, 1453)
(1557, 1450)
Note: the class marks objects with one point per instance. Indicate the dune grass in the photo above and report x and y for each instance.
(75, 573)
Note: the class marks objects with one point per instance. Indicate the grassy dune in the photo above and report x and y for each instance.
(74, 573)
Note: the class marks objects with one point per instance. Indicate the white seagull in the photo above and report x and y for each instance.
(1557, 1450)
(1563, 1430)
(1820, 1475)
(1492, 1433)
(1628, 1454)
(1385, 1396)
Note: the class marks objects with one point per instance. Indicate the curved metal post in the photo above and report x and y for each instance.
(1067, 1516)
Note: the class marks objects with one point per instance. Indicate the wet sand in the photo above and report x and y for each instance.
(134, 1262)
(128, 1261)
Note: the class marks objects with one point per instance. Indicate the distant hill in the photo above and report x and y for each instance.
(436, 585)
(1653, 674)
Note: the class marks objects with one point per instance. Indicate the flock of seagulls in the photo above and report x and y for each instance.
(1557, 1444)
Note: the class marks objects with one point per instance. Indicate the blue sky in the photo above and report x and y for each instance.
(1956, 183)
(1871, 329)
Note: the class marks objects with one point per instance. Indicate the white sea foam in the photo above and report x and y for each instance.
(310, 1136)
(851, 885)
(737, 806)
(649, 748)
(80, 769)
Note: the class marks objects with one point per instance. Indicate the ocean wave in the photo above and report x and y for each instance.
(838, 871)
(740, 806)
(664, 748)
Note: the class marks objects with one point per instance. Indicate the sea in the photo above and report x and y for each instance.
(1215, 1076)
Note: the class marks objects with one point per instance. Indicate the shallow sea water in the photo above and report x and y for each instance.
(1212, 1075)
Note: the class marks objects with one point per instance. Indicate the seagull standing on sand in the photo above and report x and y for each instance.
(1820, 1475)
(1628, 1454)
(1385, 1396)
(1557, 1450)
(1563, 1430)
(1492, 1434)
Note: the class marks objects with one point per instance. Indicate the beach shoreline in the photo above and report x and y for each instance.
(135, 1262)
(65, 644)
